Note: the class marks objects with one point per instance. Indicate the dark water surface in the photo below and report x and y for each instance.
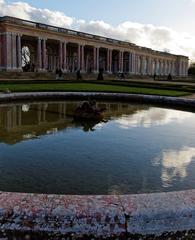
(137, 149)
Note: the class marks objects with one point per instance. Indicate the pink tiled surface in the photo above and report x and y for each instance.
(98, 215)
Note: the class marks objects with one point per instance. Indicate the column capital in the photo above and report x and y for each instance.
(62, 41)
(19, 34)
(81, 45)
(6, 33)
(13, 34)
(42, 38)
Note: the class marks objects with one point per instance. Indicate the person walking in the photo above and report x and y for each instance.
(79, 77)
(154, 77)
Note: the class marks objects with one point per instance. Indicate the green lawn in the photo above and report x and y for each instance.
(89, 87)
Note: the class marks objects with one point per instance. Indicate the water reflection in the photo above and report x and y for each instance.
(175, 163)
(152, 117)
(27, 121)
(136, 149)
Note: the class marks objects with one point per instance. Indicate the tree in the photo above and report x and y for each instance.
(191, 70)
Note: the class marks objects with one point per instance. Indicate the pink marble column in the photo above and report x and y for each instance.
(180, 68)
(110, 61)
(19, 53)
(60, 55)
(137, 64)
(7, 47)
(150, 66)
(186, 69)
(142, 65)
(39, 55)
(0, 51)
(44, 50)
(94, 59)
(130, 62)
(171, 68)
(65, 56)
(79, 57)
(14, 55)
(122, 62)
(183, 69)
(119, 62)
(133, 63)
(83, 58)
(98, 59)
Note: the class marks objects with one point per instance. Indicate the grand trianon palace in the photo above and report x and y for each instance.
(50, 47)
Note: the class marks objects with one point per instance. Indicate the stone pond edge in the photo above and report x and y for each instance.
(106, 216)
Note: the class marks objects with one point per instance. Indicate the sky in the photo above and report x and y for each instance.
(166, 25)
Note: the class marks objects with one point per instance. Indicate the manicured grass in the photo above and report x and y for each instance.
(89, 87)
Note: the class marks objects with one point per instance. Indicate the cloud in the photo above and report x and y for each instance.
(26, 11)
(152, 117)
(156, 37)
(175, 164)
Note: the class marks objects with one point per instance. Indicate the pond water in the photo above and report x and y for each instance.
(136, 149)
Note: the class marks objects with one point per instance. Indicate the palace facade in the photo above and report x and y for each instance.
(45, 48)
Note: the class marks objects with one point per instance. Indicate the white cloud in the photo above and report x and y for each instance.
(175, 164)
(26, 11)
(156, 37)
(152, 117)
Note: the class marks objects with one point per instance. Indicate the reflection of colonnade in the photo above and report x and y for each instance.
(51, 47)
(13, 117)
(44, 114)
(16, 116)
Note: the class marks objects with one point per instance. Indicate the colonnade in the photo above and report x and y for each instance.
(10, 51)
(87, 57)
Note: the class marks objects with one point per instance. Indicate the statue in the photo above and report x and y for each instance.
(88, 110)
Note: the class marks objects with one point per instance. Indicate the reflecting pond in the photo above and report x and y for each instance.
(135, 149)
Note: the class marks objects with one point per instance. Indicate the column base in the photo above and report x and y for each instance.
(4, 69)
(42, 70)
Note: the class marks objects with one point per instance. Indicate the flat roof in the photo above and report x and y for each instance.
(70, 32)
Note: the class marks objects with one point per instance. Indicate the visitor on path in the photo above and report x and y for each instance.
(122, 76)
(60, 73)
(57, 73)
(169, 78)
(100, 76)
(154, 77)
(33, 67)
(79, 77)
